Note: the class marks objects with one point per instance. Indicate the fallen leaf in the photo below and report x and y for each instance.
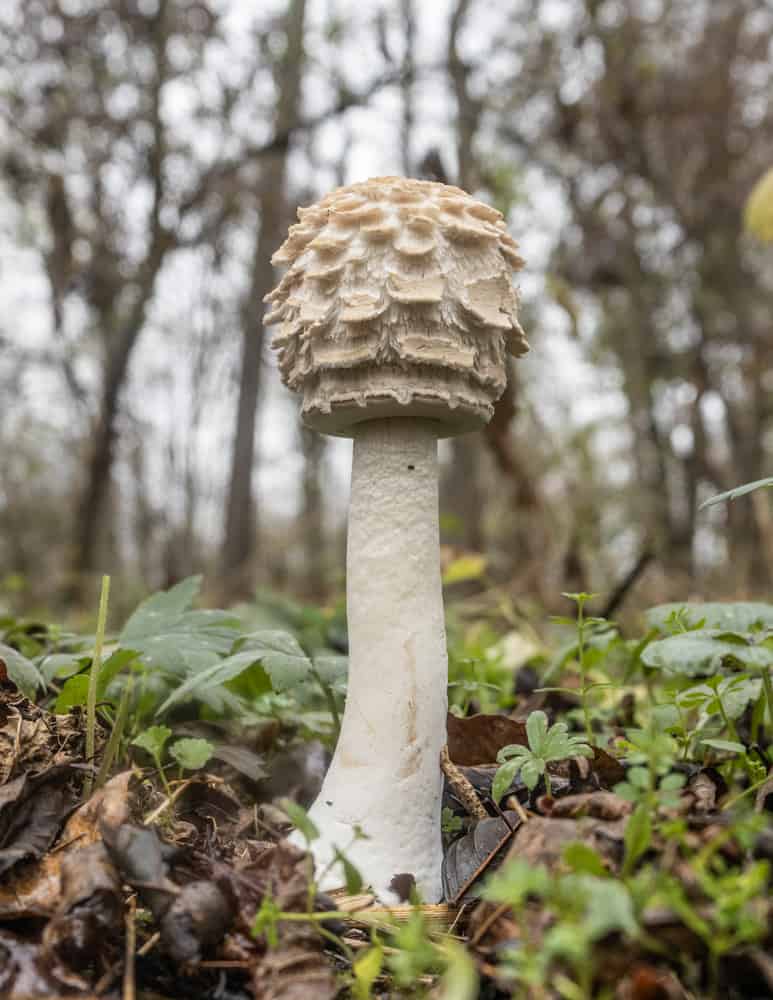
(600, 805)
(90, 909)
(32, 810)
(477, 739)
(36, 889)
(470, 856)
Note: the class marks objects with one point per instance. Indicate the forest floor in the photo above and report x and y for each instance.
(607, 810)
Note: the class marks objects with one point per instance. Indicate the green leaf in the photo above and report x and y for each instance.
(583, 859)
(739, 491)
(470, 567)
(536, 730)
(515, 881)
(21, 671)
(192, 754)
(701, 653)
(460, 980)
(730, 745)
(608, 908)
(73, 694)
(153, 740)
(639, 777)
(111, 667)
(738, 616)
(170, 636)
(504, 778)
(366, 969)
(638, 836)
(207, 680)
(672, 782)
(352, 878)
(532, 770)
(62, 665)
(300, 819)
(281, 656)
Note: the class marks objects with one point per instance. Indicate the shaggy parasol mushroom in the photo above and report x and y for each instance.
(397, 312)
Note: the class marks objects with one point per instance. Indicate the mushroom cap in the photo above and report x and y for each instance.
(397, 302)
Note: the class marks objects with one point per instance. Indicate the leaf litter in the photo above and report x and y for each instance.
(192, 872)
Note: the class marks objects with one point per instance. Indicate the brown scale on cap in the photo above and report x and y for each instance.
(398, 301)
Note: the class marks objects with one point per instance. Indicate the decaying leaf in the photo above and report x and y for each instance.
(470, 856)
(90, 908)
(32, 810)
(36, 888)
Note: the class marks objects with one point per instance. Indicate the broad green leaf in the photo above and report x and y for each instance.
(638, 835)
(204, 683)
(470, 567)
(332, 668)
(300, 819)
(153, 740)
(112, 666)
(739, 616)
(21, 671)
(504, 778)
(73, 694)
(701, 653)
(192, 754)
(172, 637)
(62, 665)
(367, 969)
(280, 655)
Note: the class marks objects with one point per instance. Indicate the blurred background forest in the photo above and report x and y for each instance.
(152, 156)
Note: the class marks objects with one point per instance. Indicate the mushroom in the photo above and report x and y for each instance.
(396, 315)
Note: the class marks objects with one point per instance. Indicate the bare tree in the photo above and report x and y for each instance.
(240, 525)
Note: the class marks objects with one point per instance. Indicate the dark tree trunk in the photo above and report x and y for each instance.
(240, 538)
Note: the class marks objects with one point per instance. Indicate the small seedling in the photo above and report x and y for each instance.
(546, 744)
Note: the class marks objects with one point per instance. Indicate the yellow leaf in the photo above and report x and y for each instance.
(758, 214)
(470, 567)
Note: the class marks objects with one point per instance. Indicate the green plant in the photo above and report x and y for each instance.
(96, 666)
(153, 740)
(546, 744)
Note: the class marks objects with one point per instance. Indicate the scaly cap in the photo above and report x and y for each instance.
(398, 301)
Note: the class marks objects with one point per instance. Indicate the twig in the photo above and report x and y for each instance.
(462, 786)
(168, 801)
(150, 943)
(512, 802)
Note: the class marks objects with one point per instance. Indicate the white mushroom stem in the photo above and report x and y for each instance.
(385, 774)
